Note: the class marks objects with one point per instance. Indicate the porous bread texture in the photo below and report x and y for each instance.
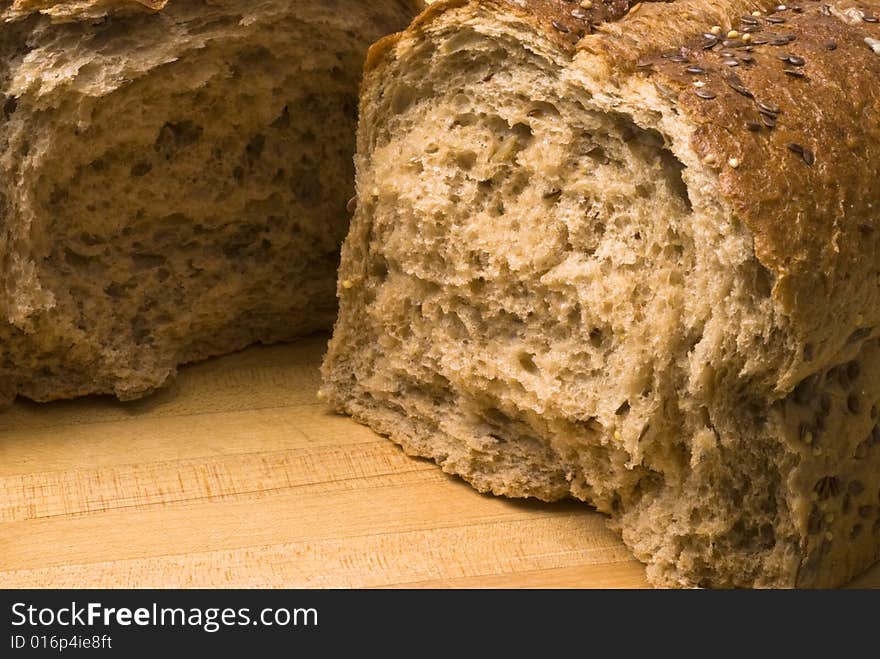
(546, 290)
(173, 184)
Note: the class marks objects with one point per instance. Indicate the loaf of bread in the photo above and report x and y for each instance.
(173, 181)
(629, 253)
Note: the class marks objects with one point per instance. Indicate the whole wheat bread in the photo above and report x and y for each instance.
(173, 181)
(630, 255)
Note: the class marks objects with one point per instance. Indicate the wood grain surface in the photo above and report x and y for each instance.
(236, 476)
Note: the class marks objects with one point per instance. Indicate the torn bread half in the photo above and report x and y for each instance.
(173, 181)
(630, 255)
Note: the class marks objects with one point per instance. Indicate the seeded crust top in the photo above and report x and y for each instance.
(785, 107)
(566, 22)
(792, 101)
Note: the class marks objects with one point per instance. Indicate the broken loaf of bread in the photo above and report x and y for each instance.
(631, 257)
(173, 181)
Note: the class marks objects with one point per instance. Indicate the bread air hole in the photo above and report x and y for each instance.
(527, 362)
(141, 168)
(174, 136)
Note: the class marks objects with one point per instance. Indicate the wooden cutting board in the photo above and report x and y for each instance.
(237, 477)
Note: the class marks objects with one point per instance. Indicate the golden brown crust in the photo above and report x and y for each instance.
(379, 49)
(800, 184)
(661, 25)
(566, 22)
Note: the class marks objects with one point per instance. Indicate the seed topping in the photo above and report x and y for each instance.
(736, 83)
(808, 156)
(827, 487)
(853, 404)
(767, 107)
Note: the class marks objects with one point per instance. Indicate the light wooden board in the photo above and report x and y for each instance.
(237, 477)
